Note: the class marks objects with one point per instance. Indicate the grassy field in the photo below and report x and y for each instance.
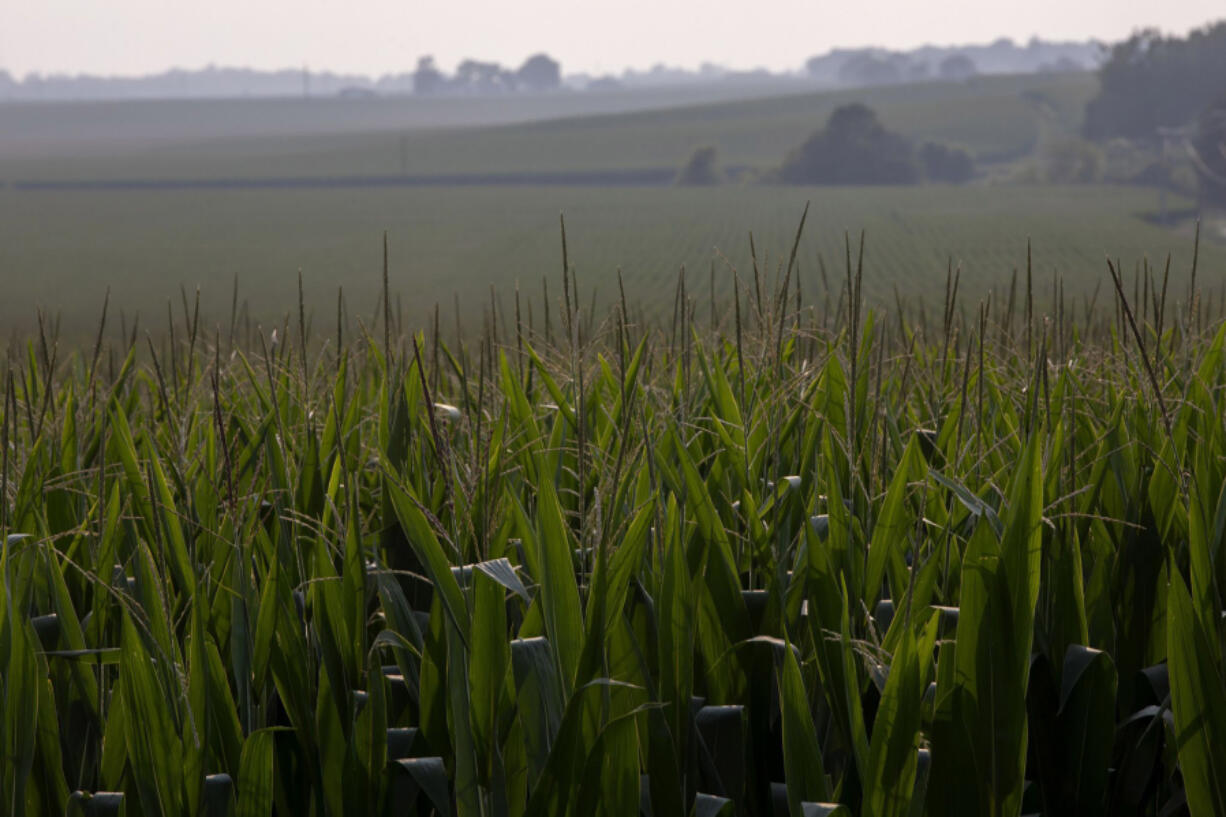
(61, 250)
(95, 127)
(995, 117)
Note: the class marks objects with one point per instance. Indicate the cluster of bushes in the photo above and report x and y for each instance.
(1150, 81)
(702, 168)
(856, 148)
(1149, 84)
(853, 148)
(1210, 152)
(885, 68)
(1155, 88)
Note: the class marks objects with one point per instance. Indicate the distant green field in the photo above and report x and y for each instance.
(39, 127)
(997, 118)
(994, 117)
(62, 249)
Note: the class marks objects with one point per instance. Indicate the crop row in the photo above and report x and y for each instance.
(797, 565)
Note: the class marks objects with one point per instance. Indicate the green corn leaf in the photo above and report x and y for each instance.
(557, 791)
(539, 697)
(412, 776)
(153, 731)
(610, 783)
(979, 732)
(559, 588)
(889, 785)
(21, 693)
(802, 758)
(430, 551)
(675, 656)
(487, 671)
(889, 535)
(610, 583)
(255, 775)
(1197, 703)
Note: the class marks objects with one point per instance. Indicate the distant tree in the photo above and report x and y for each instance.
(1072, 161)
(957, 67)
(1209, 144)
(701, 169)
(818, 67)
(946, 163)
(853, 148)
(476, 77)
(1150, 81)
(867, 68)
(539, 73)
(1062, 65)
(427, 79)
(605, 84)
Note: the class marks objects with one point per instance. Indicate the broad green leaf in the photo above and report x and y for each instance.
(1197, 704)
(802, 757)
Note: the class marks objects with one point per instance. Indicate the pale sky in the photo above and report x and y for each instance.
(386, 36)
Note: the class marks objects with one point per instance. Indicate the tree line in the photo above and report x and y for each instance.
(1154, 88)
(539, 73)
(853, 148)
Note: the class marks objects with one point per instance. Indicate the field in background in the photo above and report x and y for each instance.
(843, 553)
(62, 250)
(33, 128)
(997, 118)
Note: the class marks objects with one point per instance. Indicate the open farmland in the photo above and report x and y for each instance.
(65, 128)
(707, 443)
(64, 248)
(997, 118)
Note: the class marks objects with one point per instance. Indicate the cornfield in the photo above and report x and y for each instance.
(785, 558)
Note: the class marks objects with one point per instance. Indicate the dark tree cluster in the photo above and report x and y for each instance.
(874, 69)
(539, 73)
(1209, 145)
(701, 169)
(957, 67)
(1150, 81)
(853, 148)
(946, 163)
(856, 148)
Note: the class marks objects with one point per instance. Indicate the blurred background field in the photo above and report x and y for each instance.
(458, 242)
(997, 118)
(148, 197)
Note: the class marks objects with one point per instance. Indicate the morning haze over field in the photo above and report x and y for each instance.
(612, 408)
(242, 154)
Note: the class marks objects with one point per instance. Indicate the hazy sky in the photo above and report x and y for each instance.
(383, 36)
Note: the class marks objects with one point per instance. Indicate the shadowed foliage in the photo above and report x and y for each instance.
(702, 168)
(853, 148)
(1209, 145)
(1150, 81)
